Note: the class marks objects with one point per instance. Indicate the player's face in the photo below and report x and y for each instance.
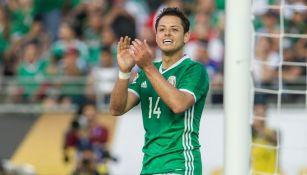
(170, 35)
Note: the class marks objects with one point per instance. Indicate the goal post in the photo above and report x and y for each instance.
(237, 87)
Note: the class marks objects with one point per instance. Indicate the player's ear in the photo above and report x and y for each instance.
(186, 37)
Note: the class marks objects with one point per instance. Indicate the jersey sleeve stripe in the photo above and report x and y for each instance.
(134, 92)
(190, 92)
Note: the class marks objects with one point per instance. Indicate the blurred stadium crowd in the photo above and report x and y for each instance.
(64, 51)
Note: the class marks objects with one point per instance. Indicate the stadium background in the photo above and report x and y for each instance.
(56, 55)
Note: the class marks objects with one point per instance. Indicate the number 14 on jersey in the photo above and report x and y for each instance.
(154, 109)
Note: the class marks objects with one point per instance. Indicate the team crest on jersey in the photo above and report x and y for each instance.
(172, 80)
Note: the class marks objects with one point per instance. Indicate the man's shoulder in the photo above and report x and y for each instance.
(191, 63)
(187, 60)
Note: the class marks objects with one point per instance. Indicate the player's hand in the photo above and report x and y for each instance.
(124, 57)
(141, 53)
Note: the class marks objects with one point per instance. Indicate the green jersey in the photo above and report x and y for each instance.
(171, 140)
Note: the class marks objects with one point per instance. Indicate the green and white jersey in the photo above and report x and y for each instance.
(171, 140)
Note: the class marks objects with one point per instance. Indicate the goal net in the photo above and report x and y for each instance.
(279, 66)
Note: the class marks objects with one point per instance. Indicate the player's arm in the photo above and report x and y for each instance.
(122, 100)
(178, 101)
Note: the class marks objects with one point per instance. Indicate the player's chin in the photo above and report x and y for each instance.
(169, 50)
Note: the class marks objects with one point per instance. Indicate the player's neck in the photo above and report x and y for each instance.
(169, 60)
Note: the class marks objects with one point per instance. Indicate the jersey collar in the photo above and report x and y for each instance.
(174, 65)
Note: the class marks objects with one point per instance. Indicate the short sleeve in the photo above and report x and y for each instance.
(135, 85)
(195, 81)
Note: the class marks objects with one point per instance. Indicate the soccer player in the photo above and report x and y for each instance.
(172, 93)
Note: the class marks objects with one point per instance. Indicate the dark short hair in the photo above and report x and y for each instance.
(173, 11)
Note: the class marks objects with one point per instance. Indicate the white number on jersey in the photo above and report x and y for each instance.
(156, 109)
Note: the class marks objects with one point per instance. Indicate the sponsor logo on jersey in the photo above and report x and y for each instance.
(172, 80)
(144, 84)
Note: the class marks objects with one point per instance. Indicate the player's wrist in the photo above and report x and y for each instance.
(124, 75)
(148, 68)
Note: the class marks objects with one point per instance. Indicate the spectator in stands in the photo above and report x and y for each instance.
(21, 17)
(265, 67)
(210, 8)
(102, 77)
(292, 74)
(70, 63)
(295, 23)
(102, 6)
(202, 56)
(51, 12)
(50, 93)
(108, 39)
(72, 79)
(30, 72)
(269, 22)
(138, 10)
(92, 35)
(122, 23)
(82, 11)
(38, 34)
(67, 40)
(300, 47)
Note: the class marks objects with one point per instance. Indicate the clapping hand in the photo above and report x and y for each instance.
(141, 53)
(124, 55)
